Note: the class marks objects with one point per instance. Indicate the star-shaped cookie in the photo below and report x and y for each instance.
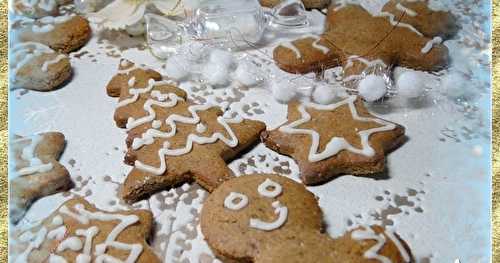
(35, 171)
(79, 232)
(329, 140)
(171, 141)
(404, 33)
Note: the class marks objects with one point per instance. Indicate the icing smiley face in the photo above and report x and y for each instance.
(270, 218)
(246, 212)
(269, 189)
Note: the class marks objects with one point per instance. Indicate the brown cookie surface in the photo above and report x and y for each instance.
(79, 232)
(270, 218)
(335, 139)
(404, 33)
(35, 66)
(36, 171)
(170, 140)
(64, 33)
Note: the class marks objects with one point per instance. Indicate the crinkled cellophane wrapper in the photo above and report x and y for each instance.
(4, 132)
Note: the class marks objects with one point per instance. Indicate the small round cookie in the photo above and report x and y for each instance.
(309, 4)
(63, 33)
(270, 218)
(35, 66)
(36, 8)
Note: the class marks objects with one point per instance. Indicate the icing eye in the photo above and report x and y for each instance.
(235, 201)
(269, 188)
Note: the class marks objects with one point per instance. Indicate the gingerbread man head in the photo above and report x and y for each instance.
(270, 218)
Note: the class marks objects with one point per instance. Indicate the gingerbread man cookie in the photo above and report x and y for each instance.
(62, 33)
(79, 232)
(334, 139)
(403, 33)
(35, 66)
(172, 141)
(35, 171)
(270, 218)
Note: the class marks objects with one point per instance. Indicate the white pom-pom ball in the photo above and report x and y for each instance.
(324, 94)
(177, 67)
(221, 58)
(282, 91)
(246, 74)
(410, 84)
(217, 75)
(372, 88)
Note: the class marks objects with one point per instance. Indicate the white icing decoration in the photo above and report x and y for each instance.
(149, 135)
(201, 128)
(315, 45)
(365, 61)
(397, 243)
(22, 53)
(281, 211)
(58, 233)
(156, 124)
(268, 183)
(35, 242)
(72, 243)
(372, 253)
(229, 201)
(430, 44)
(125, 221)
(408, 11)
(148, 107)
(56, 259)
(28, 154)
(137, 92)
(394, 22)
(80, 218)
(46, 64)
(89, 234)
(57, 220)
(292, 47)
(336, 144)
(131, 82)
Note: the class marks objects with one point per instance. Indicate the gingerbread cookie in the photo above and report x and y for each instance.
(334, 139)
(62, 33)
(128, 70)
(35, 66)
(79, 232)
(270, 218)
(172, 141)
(309, 4)
(35, 171)
(402, 33)
(36, 8)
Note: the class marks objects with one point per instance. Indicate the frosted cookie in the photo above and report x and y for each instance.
(79, 232)
(35, 66)
(334, 139)
(127, 71)
(172, 141)
(307, 3)
(62, 33)
(270, 218)
(402, 33)
(36, 8)
(35, 171)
